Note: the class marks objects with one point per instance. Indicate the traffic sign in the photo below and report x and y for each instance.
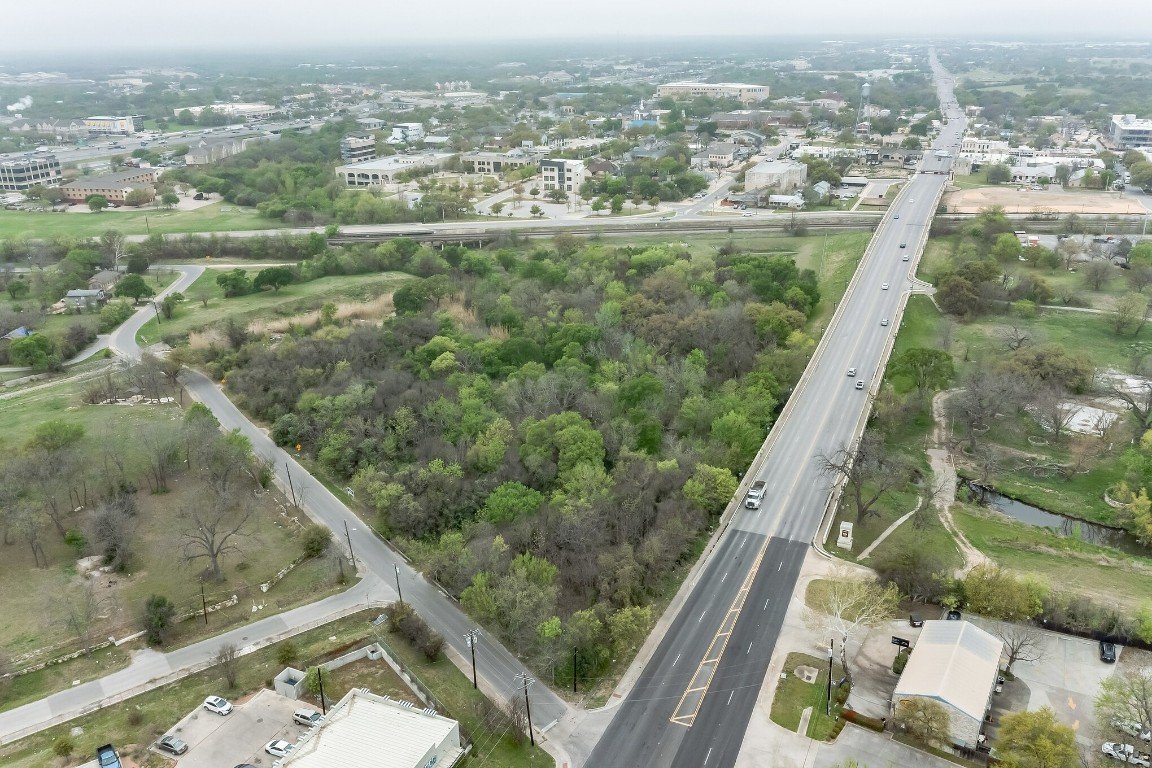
(900, 641)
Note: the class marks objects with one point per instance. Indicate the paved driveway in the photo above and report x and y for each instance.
(220, 742)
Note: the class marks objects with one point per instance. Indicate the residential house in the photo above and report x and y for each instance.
(80, 298)
(104, 280)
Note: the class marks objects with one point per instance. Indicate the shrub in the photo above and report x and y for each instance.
(135, 717)
(402, 620)
(314, 541)
(63, 746)
(900, 662)
(286, 653)
(863, 721)
(158, 614)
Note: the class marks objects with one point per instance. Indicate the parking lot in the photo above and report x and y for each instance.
(221, 742)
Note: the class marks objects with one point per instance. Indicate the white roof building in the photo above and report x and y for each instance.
(956, 664)
(383, 170)
(369, 731)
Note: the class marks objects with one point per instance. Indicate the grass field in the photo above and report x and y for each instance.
(793, 696)
(297, 299)
(217, 217)
(1063, 563)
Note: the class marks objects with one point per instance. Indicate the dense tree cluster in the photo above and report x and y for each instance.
(551, 431)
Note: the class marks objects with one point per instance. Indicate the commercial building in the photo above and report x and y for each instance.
(782, 175)
(1130, 132)
(956, 664)
(368, 731)
(107, 124)
(406, 133)
(566, 175)
(748, 94)
(26, 172)
(357, 148)
(383, 170)
(237, 110)
(496, 162)
(720, 154)
(114, 186)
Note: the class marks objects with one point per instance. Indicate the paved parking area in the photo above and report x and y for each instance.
(222, 742)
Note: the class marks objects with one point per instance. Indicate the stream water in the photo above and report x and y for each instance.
(1068, 527)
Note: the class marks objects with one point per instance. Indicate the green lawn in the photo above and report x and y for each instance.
(296, 299)
(217, 217)
(793, 696)
(1079, 332)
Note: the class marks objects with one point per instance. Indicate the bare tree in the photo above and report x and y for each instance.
(1138, 398)
(1054, 410)
(1129, 314)
(846, 603)
(1069, 249)
(113, 528)
(161, 445)
(1097, 274)
(28, 525)
(82, 608)
(228, 659)
(986, 393)
(1022, 643)
(869, 471)
(1013, 338)
(926, 720)
(1139, 277)
(212, 529)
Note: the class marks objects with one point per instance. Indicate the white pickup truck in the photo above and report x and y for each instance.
(755, 495)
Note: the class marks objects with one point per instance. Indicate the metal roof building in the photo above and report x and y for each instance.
(369, 731)
(956, 664)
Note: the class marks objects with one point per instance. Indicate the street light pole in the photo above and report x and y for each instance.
(828, 702)
(398, 592)
(471, 639)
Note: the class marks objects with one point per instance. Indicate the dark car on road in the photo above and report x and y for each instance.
(1107, 652)
(916, 620)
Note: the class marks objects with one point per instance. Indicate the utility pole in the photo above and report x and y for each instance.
(471, 638)
(828, 702)
(291, 487)
(527, 706)
(320, 680)
(574, 650)
(348, 536)
(203, 602)
(398, 592)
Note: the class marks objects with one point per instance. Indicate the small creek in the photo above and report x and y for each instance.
(1068, 527)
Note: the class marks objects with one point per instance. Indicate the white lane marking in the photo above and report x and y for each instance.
(677, 659)
(780, 567)
(725, 577)
(701, 617)
(749, 649)
(730, 695)
(765, 605)
(707, 755)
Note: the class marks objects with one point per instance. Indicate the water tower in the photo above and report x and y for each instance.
(862, 112)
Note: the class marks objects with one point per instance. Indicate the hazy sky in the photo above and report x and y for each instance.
(68, 25)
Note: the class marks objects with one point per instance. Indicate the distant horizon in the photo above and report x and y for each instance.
(76, 28)
(555, 49)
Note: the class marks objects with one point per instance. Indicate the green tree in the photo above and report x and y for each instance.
(511, 501)
(169, 199)
(496, 208)
(138, 197)
(628, 627)
(97, 203)
(711, 488)
(158, 614)
(17, 288)
(1126, 697)
(1007, 247)
(274, 278)
(36, 352)
(55, 435)
(929, 369)
(133, 287)
(1033, 739)
(536, 210)
(999, 174)
(234, 283)
(926, 720)
(991, 591)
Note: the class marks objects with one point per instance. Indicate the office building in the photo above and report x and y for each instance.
(748, 94)
(107, 124)
(357, 147)
(1130, 132)
(26, 172)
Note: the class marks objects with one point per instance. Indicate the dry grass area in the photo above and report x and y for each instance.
(1027, 201)
(351, 311)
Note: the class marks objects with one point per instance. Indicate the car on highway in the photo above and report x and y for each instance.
(753, 503)
(896, 216)
(757, 489)
(904, 257)
(859, 384)
(218, 705)
(747, 215)
(851, 371)
(884, 286)
(884, 321)
(903, 245)
(172, 745)
(278, 748)
(1107, 652)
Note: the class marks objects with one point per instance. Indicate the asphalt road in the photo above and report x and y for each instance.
(693, 702)
(496, 667)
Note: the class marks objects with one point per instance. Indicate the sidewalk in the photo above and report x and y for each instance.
(151, 669)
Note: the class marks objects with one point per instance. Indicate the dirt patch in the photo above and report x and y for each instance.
(376, 309)
(376, 676)
(1027, 201)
